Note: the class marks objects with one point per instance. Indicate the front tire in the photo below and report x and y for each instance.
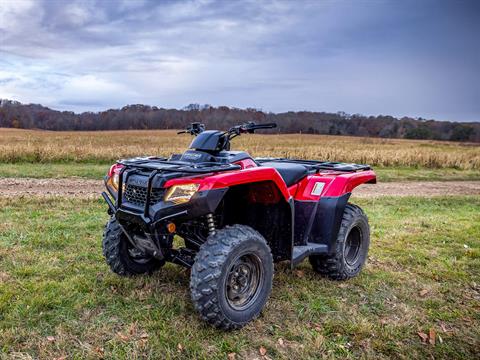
(121, 256)
(231, 279)
(351, 249)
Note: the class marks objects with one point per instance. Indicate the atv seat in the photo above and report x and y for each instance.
(290, 173)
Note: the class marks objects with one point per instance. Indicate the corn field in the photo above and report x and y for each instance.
(107, 146)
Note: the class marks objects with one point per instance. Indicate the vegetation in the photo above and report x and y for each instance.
(27, 146)
(16, 115)
(417, 297)
(98, 170)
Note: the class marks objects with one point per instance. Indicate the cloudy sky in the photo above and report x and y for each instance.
(414, 58)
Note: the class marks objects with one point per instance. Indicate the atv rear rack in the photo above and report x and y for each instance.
(316, 166)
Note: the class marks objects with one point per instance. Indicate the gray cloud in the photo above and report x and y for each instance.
(401, 58)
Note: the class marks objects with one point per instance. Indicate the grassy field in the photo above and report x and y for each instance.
(98, 170)
(17, 146)
(41, 154)
(58, 298)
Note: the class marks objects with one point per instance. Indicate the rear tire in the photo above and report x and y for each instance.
(231, 278)
(351, 249)
(120, 255)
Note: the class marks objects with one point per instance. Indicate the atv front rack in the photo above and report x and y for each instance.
(166, 165)
(315, 166)
(168, 169)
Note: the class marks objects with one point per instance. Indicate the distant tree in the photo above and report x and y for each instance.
(461, 132)
(420, 132)
(16, 123)
(138, 116)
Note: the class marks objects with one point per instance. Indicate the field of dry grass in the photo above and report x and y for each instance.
(41, 146)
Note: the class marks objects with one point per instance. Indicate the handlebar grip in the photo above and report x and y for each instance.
(271, 125)
(266, 126)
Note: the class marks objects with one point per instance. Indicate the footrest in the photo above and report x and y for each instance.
(302, 251)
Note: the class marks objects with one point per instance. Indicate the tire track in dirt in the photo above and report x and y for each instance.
(88, 189)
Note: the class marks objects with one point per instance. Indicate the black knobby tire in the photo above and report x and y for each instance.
(231, 278)
(117, 251)
(351, 248)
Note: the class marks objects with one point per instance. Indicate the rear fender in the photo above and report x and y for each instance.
(313, 187)
(320, 202)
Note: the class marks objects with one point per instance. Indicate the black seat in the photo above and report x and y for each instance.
(290, 173)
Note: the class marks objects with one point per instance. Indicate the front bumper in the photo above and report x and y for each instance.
(202, 203)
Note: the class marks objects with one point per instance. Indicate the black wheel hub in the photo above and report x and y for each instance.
(353, 244)
(243, 281)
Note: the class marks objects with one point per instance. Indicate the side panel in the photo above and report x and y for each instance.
(319, 221)
(327, 220)
(304, 211)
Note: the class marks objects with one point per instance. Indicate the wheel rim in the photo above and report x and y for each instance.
(244, 281)
(353, 244)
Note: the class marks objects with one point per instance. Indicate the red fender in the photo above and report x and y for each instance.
(335, 184)
(232, 178)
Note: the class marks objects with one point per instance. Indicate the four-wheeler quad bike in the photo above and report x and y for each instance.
(237, 216)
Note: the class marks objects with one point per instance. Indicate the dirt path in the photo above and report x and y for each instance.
(69, 187)
(81, 188)
(419, 188)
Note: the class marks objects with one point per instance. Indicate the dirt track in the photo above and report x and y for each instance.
(81, 188)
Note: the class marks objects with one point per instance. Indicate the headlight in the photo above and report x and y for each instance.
(179, 194)
(112, 183)
(114, 177)
(115, 181)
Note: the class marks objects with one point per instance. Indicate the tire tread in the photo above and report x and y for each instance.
(112, 251)
(207, 269)
(331, 266)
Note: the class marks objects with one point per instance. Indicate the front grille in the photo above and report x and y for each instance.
(137, 195)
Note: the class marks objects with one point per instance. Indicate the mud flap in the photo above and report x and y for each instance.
(319, 222)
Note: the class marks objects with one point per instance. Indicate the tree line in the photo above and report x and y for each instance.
(32, 116)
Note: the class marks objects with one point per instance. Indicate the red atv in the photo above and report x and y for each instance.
(236, 216)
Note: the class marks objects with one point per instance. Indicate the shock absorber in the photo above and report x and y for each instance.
(211, 224)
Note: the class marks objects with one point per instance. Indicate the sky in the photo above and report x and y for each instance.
(402, 58)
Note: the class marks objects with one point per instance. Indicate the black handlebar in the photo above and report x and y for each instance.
(266, 126)
(249, 127)
(224, 140)
(263, 126)
(194, 129)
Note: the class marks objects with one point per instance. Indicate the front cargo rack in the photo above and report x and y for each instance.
(157, 166)
(166, 165)
(313, 165)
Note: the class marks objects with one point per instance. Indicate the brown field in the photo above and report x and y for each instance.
(106, 146)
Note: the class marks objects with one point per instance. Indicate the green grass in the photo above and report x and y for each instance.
(58, 298)
(54, 170)
(388, 174)
(98, 170)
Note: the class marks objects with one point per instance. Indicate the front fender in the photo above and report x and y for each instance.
(233, 178)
